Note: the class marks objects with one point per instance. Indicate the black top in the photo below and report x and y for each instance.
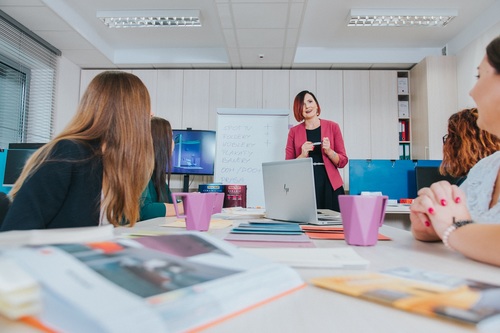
(64, 192)
(315, 136)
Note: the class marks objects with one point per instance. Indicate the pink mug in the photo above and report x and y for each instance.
(362, 216)
(198, 208)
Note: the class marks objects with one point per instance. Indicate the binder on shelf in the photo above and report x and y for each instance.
(403, 109)
(404, 130)
(402, 85)
(404, 151)
(407, 151)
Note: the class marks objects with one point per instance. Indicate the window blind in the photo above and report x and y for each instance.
(28, 68)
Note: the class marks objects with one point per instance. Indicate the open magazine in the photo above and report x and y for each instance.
(169, 283)
(424, 292)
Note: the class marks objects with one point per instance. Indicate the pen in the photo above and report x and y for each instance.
(316, 143)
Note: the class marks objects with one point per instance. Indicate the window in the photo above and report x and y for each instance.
(13, 88)
(27, 84)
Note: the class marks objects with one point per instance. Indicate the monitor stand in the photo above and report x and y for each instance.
(185, 185)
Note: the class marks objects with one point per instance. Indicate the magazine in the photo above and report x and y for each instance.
(428, 293)
(168, 283)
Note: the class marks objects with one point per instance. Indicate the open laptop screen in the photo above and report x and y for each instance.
(289, 193)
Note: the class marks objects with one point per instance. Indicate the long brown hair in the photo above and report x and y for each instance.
(465, 144)
(114, 111)
(161, 132)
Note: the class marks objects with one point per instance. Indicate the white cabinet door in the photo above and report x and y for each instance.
(275, 89)
(383, 115)
(222, 93)
(357, 128)
(249, 89)
(196, 99)
(169, 91)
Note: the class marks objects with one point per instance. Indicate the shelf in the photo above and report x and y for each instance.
(404, 114)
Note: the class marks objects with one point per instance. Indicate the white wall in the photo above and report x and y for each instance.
(67, 93)
(467, 61)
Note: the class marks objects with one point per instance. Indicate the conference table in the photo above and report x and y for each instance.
(312, 309)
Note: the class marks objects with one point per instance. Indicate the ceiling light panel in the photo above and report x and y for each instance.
(150, 19)
(401, 17)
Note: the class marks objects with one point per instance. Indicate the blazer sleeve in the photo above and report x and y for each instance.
(339, 147)
(290, 145)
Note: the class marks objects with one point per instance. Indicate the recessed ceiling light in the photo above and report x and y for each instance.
(150, 18)
(401, 17)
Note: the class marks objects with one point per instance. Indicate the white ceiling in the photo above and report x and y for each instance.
(281, 34)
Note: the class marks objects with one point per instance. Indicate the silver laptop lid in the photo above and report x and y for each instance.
(289, 193)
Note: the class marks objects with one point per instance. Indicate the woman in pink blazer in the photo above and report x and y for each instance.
(322, 141)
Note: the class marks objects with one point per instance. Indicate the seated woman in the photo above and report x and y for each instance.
(465, 144)
(442, 209)
(156, 200)
(94, 172)
(463, 147)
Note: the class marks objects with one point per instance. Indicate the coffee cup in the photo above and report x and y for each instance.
(362, 216)
(198, 208)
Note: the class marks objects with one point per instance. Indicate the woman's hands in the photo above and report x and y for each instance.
(433, 211)
(306, 148)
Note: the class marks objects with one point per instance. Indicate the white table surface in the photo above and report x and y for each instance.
(313, 309)
(317, 310)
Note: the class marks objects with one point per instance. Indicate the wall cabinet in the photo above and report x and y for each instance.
(433, 98)
(364, 103)
(383, 110)
(404, 115)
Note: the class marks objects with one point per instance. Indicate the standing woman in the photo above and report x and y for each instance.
(322, 141)
(94, 172)
(156, 200)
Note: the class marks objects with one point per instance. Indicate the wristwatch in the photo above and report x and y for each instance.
(461, 223)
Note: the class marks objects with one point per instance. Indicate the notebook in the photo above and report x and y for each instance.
(289, 193)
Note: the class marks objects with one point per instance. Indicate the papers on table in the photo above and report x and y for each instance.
(239, 213)
(268, 234)
(214, 224)
(56, 236)
(344, 257)
(329, 232)
(268, 228)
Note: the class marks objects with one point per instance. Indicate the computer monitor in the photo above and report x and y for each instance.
(194, 152)
(425, 176)
(17, 155)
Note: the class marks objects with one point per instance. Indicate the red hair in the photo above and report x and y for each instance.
(298, 104)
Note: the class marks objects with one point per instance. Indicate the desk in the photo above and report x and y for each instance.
(398, 216)
(317, 310)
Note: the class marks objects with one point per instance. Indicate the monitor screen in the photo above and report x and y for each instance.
(425, 176)
(194, 152)
(14, 164)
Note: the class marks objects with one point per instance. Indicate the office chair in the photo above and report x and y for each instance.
(4, 206)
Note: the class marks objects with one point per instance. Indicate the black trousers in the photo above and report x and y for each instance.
(326, 196)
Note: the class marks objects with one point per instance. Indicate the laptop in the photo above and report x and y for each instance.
(289, 193)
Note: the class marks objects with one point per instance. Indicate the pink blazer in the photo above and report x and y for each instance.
(297, 136)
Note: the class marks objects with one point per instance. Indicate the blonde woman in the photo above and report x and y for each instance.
(94, 172)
